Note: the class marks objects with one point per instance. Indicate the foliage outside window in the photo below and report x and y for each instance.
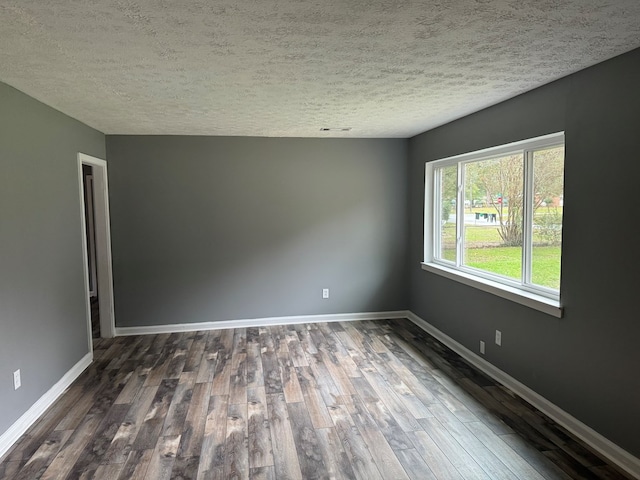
(497, 214)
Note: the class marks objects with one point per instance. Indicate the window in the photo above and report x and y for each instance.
(493, 219)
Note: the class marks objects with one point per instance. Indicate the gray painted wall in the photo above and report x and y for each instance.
(43, 329)
(221, 228)
(587, 362)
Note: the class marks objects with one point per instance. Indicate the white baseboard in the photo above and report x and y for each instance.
(607, 448)
(259, 322)
(15, 431)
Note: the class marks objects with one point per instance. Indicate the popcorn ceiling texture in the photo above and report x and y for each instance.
(386, 68)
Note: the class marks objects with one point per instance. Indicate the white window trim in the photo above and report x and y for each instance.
(521, 295)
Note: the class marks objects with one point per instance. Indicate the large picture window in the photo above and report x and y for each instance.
(494, 218)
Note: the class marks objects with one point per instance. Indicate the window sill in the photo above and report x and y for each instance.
(531, 300)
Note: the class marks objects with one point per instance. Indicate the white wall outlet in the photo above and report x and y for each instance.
(498, 337)
(481, 347)
(16, 380)
(325, 293)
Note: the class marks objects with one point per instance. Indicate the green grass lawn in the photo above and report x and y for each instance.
(506, 261)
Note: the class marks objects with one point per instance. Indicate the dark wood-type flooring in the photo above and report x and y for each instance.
(366, 400)
(95, 317)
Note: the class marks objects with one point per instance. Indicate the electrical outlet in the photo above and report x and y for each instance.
(17, 382)
(325, 293)
(498, 338)
(481, 347)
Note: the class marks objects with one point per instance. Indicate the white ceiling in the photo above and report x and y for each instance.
(384, 68)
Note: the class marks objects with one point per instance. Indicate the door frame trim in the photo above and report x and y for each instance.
(103, 246)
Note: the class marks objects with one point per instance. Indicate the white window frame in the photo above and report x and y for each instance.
(534, 296)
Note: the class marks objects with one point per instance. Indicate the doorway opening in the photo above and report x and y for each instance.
(90, 234)
(96, 241)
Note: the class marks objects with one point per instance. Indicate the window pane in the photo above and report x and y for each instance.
(448, 190)
(493, 195)
(548, 188)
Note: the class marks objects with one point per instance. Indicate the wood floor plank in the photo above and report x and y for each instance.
(267, 341)
(338, 464)
(258, 430)
(272, 376)
(42, 457)
(196, 352)
(236, 455)
(195, 422)
(331, 394)
(279, 334)
(122, 442)
(108, 472)
(133, 386)
(159, 371)
(93, 453)
(311, 456)
(222, 374)
(178, 360)
(438, 462)
(185, 468)
(52, 418)
(412, 403)
(338, 374)
(262, 473)
(501, 450)
(392, 432)
(177, 412)
(238, 379)
(290, 384)
(445, 396)
(534, 457)
(350, 339)
(207, 367)
(65, 460)
(143, 347)
(151, 428)
(406, 376)
(8, 469)
(313, 399)
(285, 457)
(574, 469)
(489, 462)
(239, 345)
(364, 467)
(382, 453)
(399, 411)
(136, 465)
(298, 357)
(255, 373)
(482, 404)
(464, 462)
(215, 433)
(415, 465)
(308, 347)
(76, 414)
(162, 459)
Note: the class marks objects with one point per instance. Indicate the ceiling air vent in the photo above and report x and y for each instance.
(335, 129)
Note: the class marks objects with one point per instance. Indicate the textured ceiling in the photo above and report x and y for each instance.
(384, 68)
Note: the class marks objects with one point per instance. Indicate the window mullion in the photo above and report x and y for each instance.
(527, 227)
(460, 216)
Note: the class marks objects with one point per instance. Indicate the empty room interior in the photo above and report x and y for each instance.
(289, 239)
